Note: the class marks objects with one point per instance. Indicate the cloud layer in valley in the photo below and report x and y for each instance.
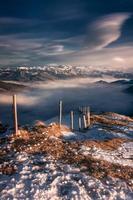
(41, 103)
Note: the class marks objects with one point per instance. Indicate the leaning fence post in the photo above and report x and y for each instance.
(60, 117)
(84, 121)
(71, 118)
(15, 118)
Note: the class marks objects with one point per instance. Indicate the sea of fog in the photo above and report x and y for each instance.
(41, 100)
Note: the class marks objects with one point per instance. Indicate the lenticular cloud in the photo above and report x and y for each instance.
(106, 30)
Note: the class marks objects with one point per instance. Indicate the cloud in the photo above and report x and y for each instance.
(21, 45)
(18, 50)
(105, 30)
(118, 59)
(13, 21)
(39, 46)
(31, 48)
(51, 49)
(103, 58)
(21, 100)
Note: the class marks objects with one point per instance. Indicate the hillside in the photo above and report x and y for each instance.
(6, 87)
(46, 161)
(129, 90)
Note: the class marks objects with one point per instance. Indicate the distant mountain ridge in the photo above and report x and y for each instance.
(129, 90)
(10, 87)
(123, 82)
(52, 72)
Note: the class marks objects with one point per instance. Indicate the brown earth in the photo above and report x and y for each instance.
(104, 120)
(69, 152)
(8, 169)
(47, 139)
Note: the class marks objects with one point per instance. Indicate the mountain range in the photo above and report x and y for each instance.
(55, 72)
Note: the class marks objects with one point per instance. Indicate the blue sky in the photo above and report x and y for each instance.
(92, 32)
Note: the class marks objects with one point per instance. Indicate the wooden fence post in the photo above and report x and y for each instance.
(88, 117)
(85, 110)
(60, 117)
(84, 121)
(79, 122)
(15, 118)
(72, 120)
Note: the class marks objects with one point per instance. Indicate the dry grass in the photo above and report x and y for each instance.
(68, 152)
(8, 169)
(40, 139)
(104, 120)
(121, 117)
(53, 129)
(22, 134)
(111, 144)
(101, 168)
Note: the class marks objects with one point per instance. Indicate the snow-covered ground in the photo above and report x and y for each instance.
(98, 131)
(123, 155)
(41, 177)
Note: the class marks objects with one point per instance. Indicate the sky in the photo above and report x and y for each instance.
(75, 32)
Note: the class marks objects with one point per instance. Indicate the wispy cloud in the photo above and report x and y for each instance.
(14, 21)
(92, 47)
(119, 59)
(105, 57)
(105, 30)
(20, 44)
